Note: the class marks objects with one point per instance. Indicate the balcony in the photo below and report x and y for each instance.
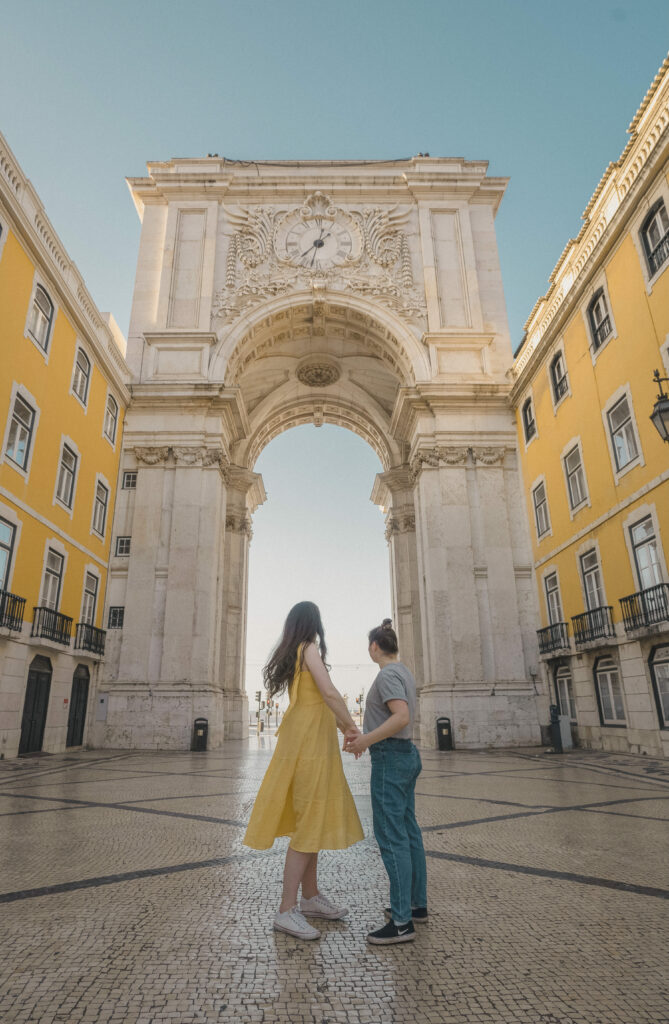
(596, 624)
(51, 625)
(553, 638)
(11, 611)
(659, 255)
(88, 638)
(645, 608)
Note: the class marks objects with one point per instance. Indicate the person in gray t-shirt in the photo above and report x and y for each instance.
(396, 765)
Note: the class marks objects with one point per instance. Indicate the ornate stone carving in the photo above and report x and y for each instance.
(190, 456)
(151, 456)
(239, 522)
(488, 456)
(449, 455)
(318, 374)
(400, 522)
(380, 266)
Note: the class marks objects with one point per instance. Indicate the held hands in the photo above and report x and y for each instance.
(355, 742)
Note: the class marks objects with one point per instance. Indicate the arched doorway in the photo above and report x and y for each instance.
(35, 706)
(78, 704)
(243, 326)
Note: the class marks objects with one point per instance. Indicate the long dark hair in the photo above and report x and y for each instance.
(303, 624)
(385, 636)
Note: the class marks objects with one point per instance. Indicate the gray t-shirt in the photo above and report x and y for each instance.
(394, 682)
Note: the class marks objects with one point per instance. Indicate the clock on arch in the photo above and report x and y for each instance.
(318, 236)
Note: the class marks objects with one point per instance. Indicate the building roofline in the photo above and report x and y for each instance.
(647, 129)
(32, 225)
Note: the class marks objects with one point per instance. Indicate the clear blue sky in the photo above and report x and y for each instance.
(89, 91)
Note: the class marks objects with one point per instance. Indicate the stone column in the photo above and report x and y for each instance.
(476, 671)
(245, 493)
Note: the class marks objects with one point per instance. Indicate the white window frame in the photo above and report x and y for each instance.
(108, 439)
(559, 350)
(90, 570)
(123, 486)
(655, 659)
(67, 441)
(4, 234)
(661, 191)
(528, 397)
(52, 543)
(552, 571)
(624, 391)
(8, 513)
(39, 281)
(122, 554)
(619, 722)
(640, 513)
(83, 402)
(571, 699)
(597, 283)
(590, 544)
(100, 479)
(22, 392)
(115, 607)
(575, 442)
(548, 532)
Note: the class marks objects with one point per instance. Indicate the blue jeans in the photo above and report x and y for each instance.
(396, 765)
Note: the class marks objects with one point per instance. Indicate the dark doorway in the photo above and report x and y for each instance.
(78, 705)
(35, 706)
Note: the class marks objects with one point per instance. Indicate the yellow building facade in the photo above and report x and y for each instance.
(63, 395)
(595, 469)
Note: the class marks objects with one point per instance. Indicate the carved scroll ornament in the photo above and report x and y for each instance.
(151, 456)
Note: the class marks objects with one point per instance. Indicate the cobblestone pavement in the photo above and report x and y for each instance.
(127, 897)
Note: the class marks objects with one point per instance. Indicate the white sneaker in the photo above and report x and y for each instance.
(292, 922)
(320, 906)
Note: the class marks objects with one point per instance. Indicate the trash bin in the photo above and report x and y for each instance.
(556, 736)
(200, 731)
(444, 734)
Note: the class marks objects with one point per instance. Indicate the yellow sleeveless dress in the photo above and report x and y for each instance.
(304, 793)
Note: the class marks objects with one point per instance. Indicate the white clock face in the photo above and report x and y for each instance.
(318, 243)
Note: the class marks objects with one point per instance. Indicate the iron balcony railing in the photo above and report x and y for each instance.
(561, 387)
(553, 638)
(596, 624)
(11, 610)
(51, 625)
(602, 331)
(88, 638)
(660, 254)
(646, 607)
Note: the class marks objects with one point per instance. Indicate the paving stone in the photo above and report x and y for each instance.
(127, 896)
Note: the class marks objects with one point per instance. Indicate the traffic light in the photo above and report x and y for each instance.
(262, 705)
(258, 696)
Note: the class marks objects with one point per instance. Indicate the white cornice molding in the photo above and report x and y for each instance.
(33, 228)
(608, 209)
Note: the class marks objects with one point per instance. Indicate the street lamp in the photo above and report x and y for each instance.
(660, 413)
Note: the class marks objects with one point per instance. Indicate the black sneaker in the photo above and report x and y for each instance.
(392, 932)
(418, 914)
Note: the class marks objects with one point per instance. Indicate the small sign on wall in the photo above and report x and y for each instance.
(101, 709)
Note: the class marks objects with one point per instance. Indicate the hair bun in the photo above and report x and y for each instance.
(387, 624)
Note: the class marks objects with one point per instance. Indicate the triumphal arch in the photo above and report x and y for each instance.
(364, 294)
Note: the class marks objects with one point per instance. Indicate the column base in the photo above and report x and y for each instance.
(160, 717)
(507, 717)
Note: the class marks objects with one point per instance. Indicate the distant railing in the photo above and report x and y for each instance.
(646, 607)
(602, 331)
(51, 625)
(660, 254)
(11, 610)
(596, 624)
(553, 638)
(88, 638)
(561, 387)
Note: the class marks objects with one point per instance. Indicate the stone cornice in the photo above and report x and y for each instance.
(29, 221)
(227, 402)
(433, 398)
(215, 179)
(606, 213)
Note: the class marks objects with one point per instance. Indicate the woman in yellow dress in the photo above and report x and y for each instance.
(304, 794)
